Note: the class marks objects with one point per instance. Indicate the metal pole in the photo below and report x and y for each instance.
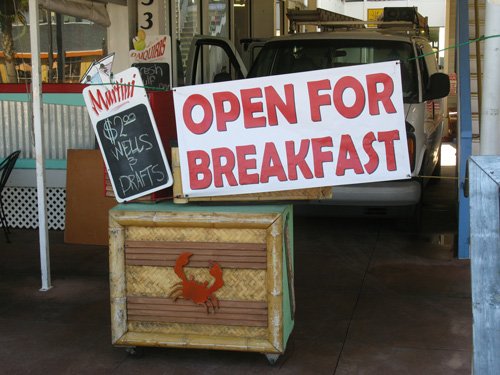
(464, 127)
(60, 52)
(490, 105)
(36, 91)
(51, 46)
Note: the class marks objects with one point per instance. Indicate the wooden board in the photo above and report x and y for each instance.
(86, 206)
(484, 183)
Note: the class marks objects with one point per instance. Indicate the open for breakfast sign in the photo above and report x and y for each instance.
(320, 128)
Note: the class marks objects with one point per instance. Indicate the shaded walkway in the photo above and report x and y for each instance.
(374, 296)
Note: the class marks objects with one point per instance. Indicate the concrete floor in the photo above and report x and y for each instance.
(374, 296)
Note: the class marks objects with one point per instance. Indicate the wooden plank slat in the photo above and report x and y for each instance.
(217, 316)
(232, 313)
(165, 254)
(222, 303)
(162, 263)
(200, 258)
(203, 260)
(207, 252)
(194, 308)
(197, 245)
(144, 318)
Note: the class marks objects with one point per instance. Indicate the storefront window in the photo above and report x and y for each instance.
(216, 61)
(68, 45)
(208, 17)
(218, 18)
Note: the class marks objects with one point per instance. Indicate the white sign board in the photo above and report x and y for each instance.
(128, 136)
(320, 128)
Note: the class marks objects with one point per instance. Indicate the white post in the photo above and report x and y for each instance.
(490, 96)
(36, 92)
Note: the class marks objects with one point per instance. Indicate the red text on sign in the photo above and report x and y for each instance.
(321, 95)
(224, 167)
(227, 108)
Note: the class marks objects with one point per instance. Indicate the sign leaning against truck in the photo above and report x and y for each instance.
(320, 128)
(128, 136)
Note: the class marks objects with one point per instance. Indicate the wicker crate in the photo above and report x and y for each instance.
(253, 245)
(287, 195)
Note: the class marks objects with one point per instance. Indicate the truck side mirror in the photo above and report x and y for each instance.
(439, 86)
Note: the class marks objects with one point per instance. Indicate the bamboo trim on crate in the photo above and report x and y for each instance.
(117, 280)
(319, 193)
(274, 284)
(193, 219)
(197, 342)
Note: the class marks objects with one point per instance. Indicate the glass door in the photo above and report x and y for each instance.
(207, 17)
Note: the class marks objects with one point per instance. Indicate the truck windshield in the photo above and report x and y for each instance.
(282, 57)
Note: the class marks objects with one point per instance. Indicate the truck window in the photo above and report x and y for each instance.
(283, 57)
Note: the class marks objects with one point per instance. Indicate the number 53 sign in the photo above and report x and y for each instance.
(149, 16)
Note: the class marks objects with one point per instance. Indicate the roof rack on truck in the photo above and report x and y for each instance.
(322, 18)
(397, 19)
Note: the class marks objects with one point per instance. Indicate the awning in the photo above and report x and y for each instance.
(92, 10)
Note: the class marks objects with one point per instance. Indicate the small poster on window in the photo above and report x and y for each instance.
(99, 72)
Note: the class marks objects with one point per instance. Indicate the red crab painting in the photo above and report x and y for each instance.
(190, 289)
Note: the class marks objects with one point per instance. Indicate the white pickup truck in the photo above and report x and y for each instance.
(214, 59)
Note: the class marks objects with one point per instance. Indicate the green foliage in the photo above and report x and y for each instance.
(11, 10)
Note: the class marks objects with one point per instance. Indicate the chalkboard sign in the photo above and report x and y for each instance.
(134, 158)
(154, 74)
(128, 136)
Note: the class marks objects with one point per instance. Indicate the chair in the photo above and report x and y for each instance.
(6, 167)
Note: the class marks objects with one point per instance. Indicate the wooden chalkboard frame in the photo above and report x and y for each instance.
(128, 137)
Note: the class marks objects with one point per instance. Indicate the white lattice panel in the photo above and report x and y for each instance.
(21, 209)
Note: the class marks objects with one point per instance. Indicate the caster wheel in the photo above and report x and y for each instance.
(134, 351)
(272, 358)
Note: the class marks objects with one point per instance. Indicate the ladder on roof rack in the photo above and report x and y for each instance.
(399, 19)
(325, 19)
